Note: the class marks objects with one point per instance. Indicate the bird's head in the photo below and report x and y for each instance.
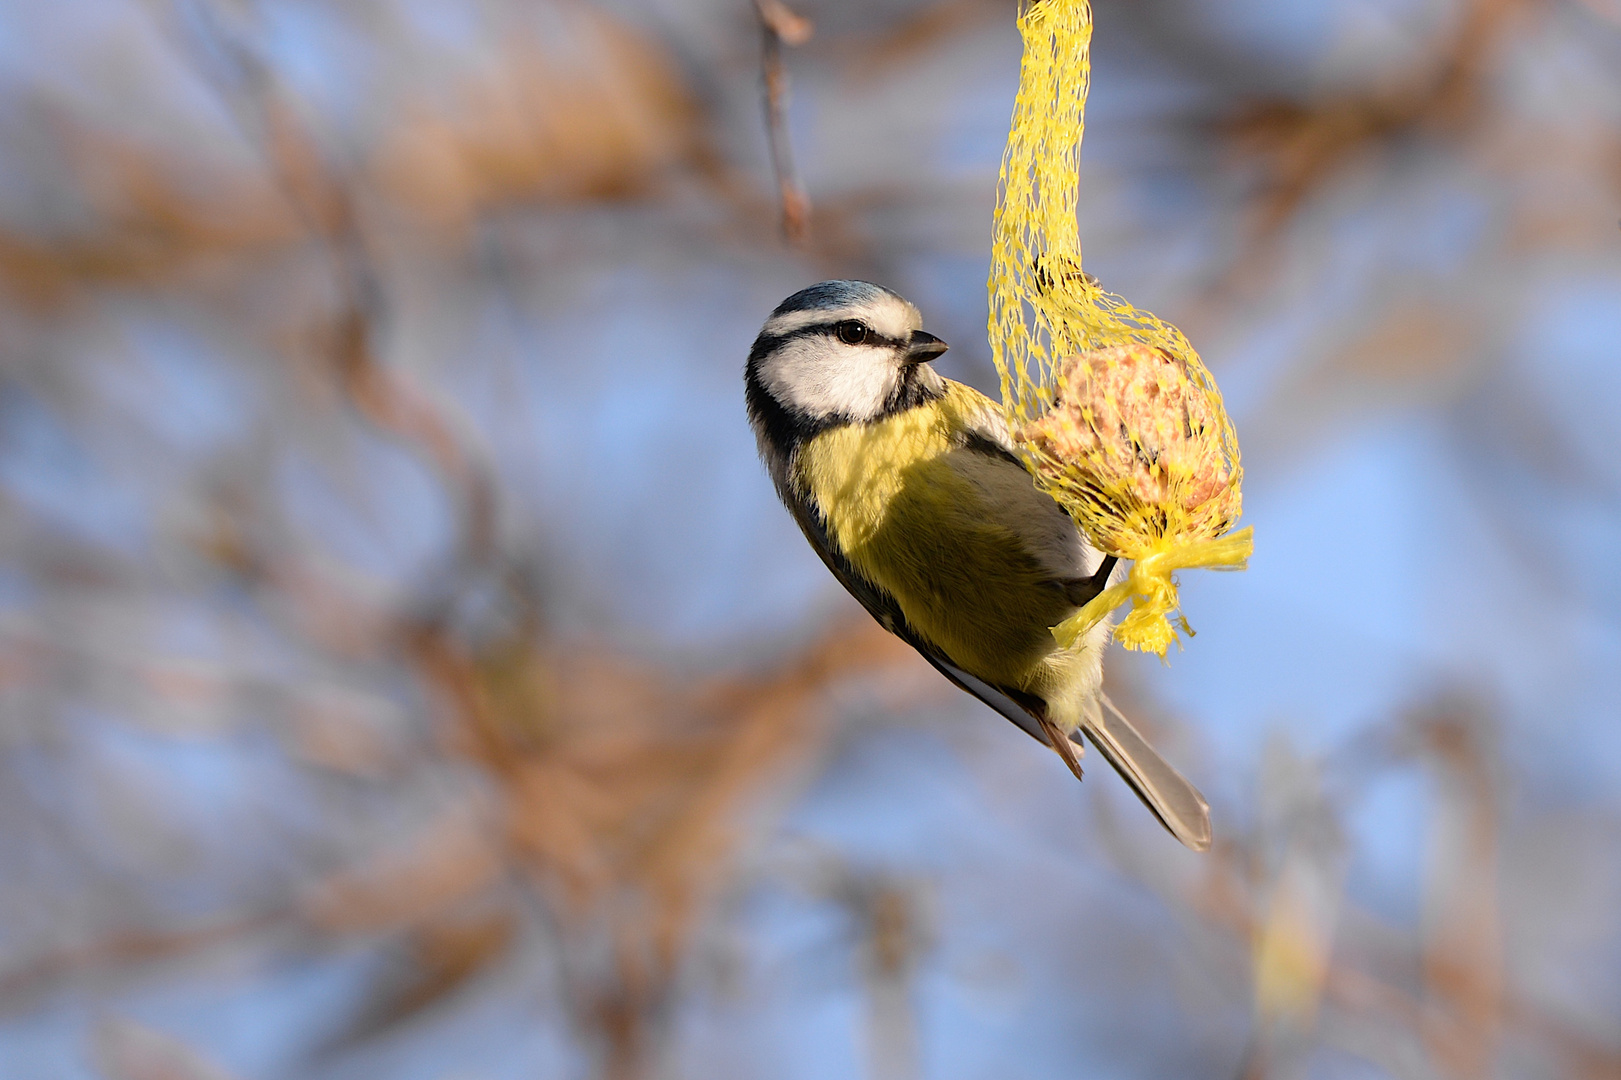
(841, 352)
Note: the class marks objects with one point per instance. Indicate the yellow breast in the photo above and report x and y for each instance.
(914, 513)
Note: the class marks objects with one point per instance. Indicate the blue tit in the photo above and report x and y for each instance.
(908, 486)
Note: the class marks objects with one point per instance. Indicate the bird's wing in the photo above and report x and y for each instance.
(1007, 486)
(990, 695)
(1166, 792)
(882, 606)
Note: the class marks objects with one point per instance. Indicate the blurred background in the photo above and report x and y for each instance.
(407, 672)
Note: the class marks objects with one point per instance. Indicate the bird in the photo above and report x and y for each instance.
(909, 487)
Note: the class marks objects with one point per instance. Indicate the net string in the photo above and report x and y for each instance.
(1071, 356)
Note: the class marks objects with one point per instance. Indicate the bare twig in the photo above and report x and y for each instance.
(781, 26)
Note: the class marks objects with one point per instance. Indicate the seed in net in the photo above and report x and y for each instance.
(1138, 431)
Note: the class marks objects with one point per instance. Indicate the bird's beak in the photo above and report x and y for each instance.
(923, 346)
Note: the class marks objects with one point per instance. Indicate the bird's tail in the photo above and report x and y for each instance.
(1166, 792)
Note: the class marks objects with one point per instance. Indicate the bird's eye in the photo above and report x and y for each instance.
(852, 332)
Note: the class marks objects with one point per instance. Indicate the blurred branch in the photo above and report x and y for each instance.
(125, 1050)
(1296, 148)
(916, 32)
(1462, 951)
(437, 959)
(893, 929)
(624, 796)
(896, 936)
(326, 201)
(129, 950)
(781, 26)
(153, 217)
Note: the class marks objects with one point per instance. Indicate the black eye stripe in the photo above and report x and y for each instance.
(770, 342)
(840, 332)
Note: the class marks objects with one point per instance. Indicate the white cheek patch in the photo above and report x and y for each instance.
(853, 382)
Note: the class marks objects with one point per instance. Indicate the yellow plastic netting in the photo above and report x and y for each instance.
(1122, 423)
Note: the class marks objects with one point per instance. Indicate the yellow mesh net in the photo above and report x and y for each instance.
(1119, 419)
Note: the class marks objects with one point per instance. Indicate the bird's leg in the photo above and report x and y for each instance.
(1059, 741)
(1100, 579)
(1080, 591)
